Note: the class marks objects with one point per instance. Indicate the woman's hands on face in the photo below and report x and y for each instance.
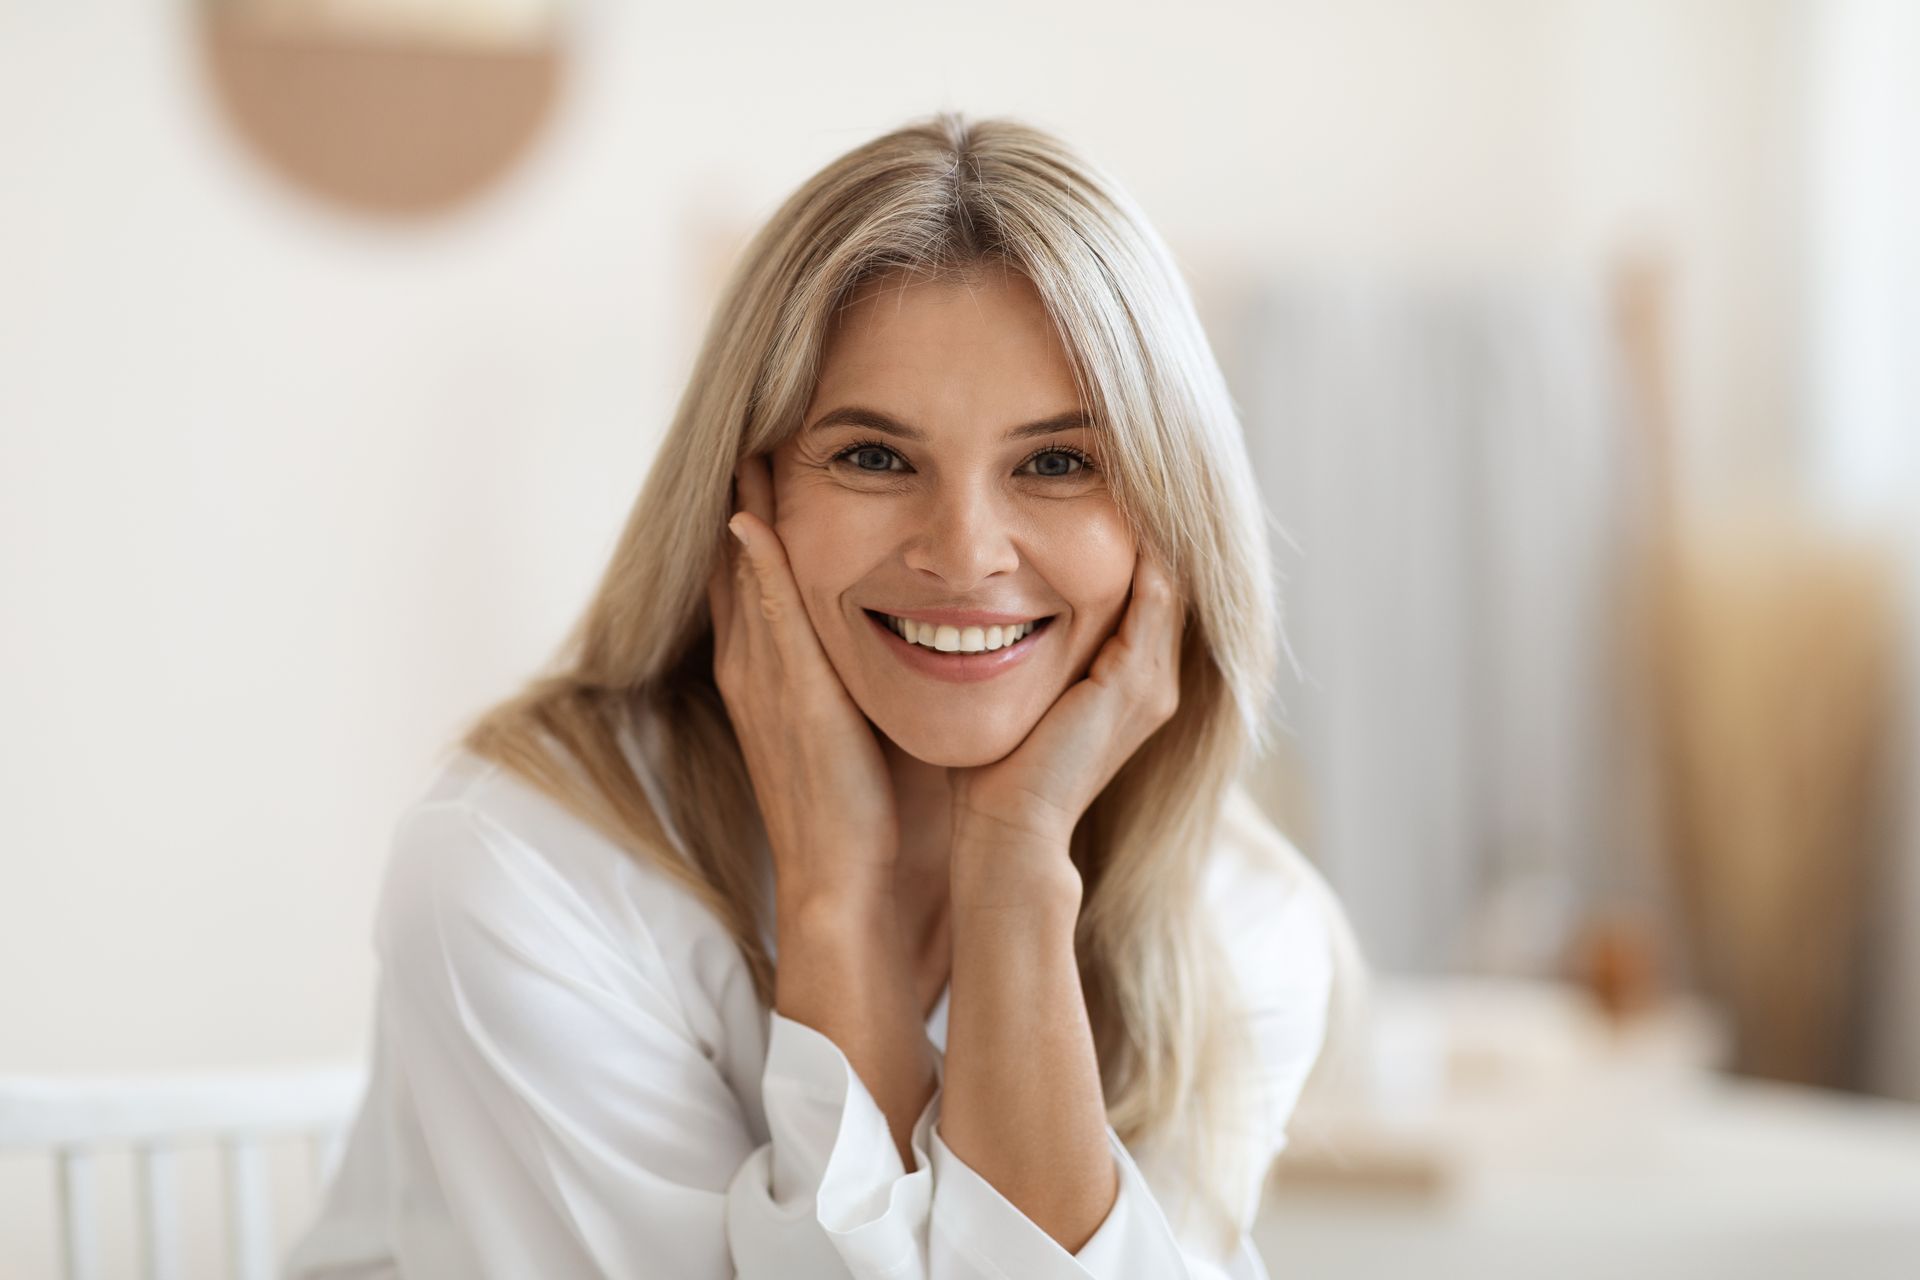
(821, 781)
(1029, 802)
(818, 773)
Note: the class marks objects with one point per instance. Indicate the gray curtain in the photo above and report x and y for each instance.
(1451, 469)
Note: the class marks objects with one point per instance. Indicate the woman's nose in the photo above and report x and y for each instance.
(965, 536)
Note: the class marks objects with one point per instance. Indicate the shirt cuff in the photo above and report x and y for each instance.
(973, 1219)
(831, 1176)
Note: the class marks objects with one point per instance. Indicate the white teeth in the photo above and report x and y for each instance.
(951, 639)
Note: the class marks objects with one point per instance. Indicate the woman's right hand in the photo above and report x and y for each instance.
(825, 794)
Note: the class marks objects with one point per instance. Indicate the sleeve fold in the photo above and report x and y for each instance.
(980, 1233)
(830, 1173)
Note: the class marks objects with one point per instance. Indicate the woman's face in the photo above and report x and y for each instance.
(932, 482)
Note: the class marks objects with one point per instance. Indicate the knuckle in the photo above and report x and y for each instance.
(1162, 694)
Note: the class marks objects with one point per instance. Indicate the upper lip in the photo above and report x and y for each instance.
(963, 617)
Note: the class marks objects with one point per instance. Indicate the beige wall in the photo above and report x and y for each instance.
(284, 496)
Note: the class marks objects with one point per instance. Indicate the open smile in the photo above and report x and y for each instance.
(960, 654)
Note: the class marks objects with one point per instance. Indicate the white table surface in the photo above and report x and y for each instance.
(1624, 1162)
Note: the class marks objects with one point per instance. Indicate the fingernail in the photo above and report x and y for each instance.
(733, 525)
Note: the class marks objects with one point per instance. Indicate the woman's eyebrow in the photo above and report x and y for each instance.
(874, 420)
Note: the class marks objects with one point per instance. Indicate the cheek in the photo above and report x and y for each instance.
(828, 541)
(1089, 561)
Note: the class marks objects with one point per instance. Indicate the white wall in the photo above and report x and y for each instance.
(1864, 392)
(285, 496)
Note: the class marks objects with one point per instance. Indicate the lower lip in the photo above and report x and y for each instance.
(961, 668)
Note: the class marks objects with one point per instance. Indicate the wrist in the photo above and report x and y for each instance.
(995, 870)
(818, 913)
(829, 946)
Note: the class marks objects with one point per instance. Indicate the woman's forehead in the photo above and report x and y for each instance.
(929, 348)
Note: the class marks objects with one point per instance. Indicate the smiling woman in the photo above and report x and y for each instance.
(909, 495)
(866, 891)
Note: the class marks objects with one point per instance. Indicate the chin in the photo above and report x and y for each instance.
(951, 748)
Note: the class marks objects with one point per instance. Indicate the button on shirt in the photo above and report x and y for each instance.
(573, 1077)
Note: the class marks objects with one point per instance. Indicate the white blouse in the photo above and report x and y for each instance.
(573, 1077)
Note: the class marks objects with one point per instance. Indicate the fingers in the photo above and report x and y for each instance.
(732, 584)
(724, 595)
(1152, 632)
(1131, 691)
(753, 480)
(1155, 607)
(726, 582)
(760, 547)
(767, 575)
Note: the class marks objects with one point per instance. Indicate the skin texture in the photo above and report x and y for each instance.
(920, 829)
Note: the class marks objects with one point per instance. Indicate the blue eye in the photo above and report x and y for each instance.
(1078, 460)
(869, 456)
(1055, 462)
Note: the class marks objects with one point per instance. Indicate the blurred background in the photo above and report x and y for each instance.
(1578, 349)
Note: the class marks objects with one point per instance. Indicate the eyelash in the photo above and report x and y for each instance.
(1086, 462)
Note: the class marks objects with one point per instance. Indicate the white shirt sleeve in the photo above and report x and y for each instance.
(577, 1126)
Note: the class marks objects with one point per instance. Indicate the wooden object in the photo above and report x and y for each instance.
(389, 126)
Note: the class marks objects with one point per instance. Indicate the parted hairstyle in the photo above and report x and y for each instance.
(942, 198)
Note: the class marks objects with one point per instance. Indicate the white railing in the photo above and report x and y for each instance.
(73, 1121)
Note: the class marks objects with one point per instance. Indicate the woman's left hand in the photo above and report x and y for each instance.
(1033, 798)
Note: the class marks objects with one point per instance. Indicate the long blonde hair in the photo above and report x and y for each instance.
(942, 198)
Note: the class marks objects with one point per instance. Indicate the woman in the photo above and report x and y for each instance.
(948, 724)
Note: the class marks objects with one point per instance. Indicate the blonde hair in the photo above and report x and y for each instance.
(943, 198)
